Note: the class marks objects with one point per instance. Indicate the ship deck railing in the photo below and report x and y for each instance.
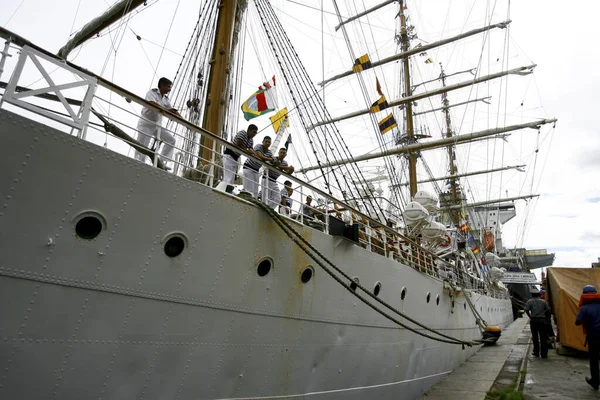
(70, 96)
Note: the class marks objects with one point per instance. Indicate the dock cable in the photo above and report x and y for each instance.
(517, 300)
(307, 248)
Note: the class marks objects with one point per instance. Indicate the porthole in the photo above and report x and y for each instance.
(89, 225)
(403, 293)
(307, 274)
(437, 300)
(174, 245)
(377, 289)
(264, 266)
(428, 296)
(354, 283)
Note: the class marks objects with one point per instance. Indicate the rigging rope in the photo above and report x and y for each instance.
(14, 12)
(75, 18)
(388, 162)
(294, 72)
(166, 38)
(288, 67)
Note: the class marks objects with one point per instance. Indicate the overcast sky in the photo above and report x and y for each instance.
(559, 38)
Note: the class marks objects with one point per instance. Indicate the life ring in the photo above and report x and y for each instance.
(447, 242)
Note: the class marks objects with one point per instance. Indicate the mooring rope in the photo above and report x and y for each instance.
(312, 252)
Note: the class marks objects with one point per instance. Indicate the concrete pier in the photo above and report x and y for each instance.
(474, 378)
(511, 360)
(557, 377)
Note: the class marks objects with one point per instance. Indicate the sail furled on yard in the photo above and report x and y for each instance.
(115, 13)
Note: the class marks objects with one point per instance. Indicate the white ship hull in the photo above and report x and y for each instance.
(115, 318)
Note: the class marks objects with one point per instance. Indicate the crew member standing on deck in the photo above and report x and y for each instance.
(307, 210)
(274, 194)
(536, 310)
(251, 167)
(149, 125)
(244, 141)
(589, 317)
(285, 207)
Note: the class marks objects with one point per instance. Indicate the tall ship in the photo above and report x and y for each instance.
(140, 261)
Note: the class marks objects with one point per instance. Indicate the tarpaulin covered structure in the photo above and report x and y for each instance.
(562, 293)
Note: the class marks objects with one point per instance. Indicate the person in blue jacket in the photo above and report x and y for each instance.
(589, 317)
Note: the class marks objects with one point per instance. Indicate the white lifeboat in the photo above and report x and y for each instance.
(492, 260)
(426, 199)
(434, 231)
(415, 213)
(495, 273)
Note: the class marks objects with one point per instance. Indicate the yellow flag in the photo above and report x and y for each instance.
(362, 63)
(387, 124)
(279, 118)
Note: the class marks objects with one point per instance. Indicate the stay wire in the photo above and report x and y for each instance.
(296, 68)
(367, 101)
(167, 37)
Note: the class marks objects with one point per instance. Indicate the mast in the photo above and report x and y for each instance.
(218, 80)
(451, 149)
(412, 158)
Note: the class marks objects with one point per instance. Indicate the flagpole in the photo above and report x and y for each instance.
(218, 81)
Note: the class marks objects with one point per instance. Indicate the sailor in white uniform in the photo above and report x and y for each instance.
(149, 125)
